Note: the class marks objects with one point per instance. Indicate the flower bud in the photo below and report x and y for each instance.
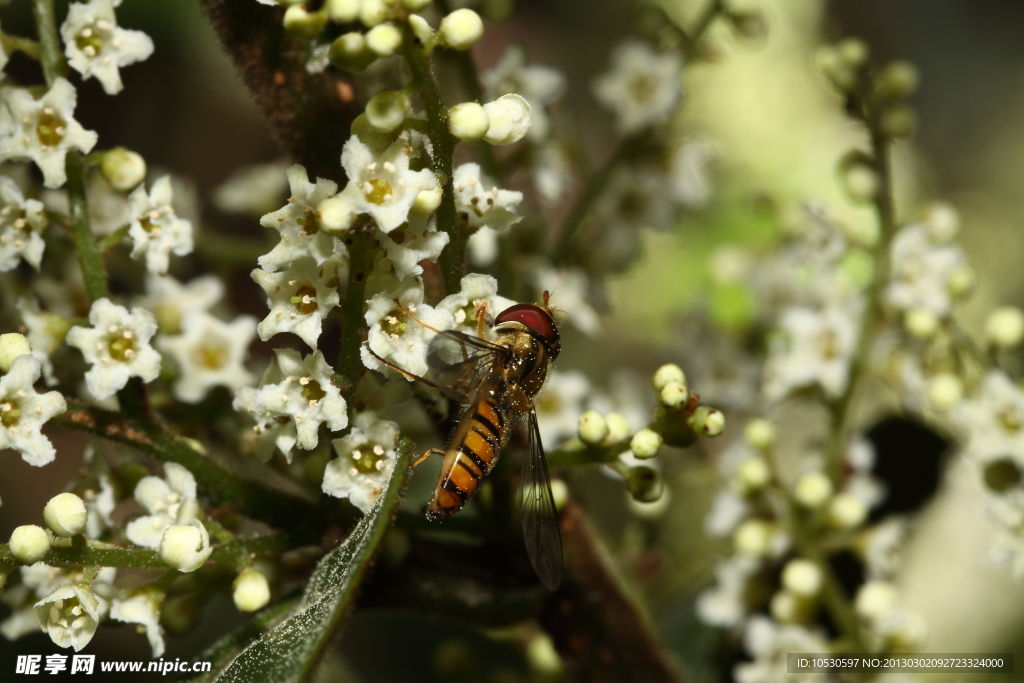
(29, 543)
(509, 117)
(760, 434)
(802, 578)
(461, 29)
(875, 600)
(942, 222)
(387, 109)
(646, 443)
(373, 138)
(847, 511)
(896, 81)
(644, 484)
(468, 121)
(899, 121)
(961, 282)
(427, 201)
(753, 537)
(373, 12)
(787, 608)
(921, 323)
(859, 177)
(420, 27)
(853, 51)
(559, 493)
(1005, 327)
(944, 391)
(186, 547)
(384, 39)
(543, 657)
(707, 421)
(300, 23)
(123, 168)
(592, 428)
(674, 394)
(813, 489)
(415, 5)
(12, 345)
(251, 591)
(350, 53)
(618, 428)
(342, 11)
(841, 76)
(670, 372)
(65, 515)
(753, 475)
(335, 214)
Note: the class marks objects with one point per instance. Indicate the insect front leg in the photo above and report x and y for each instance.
(427, 454)
(484, 319)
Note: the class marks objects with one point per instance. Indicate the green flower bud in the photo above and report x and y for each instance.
(420, 27)
(370, 136)
(300, 23)
(859, 176)
(509, 119)
(707, 421)
(427, 201)
(336, 215)
(813, 489)
(847, 511)
(342, 11)
(670, 372)
(875, 599)
(350, 53)
(65, 515)
(186, 547)
(674, 394)
(802, 578)
(962, 282)
(461, 29)
(896, 81)
(29, 544)
(1004, 327)
(373, 12)
(898, 121)
(12, 345)
(753, 537)
(788, 608)
(592, 428)
(760, 434)
(618, 428)
(123, 168)
(753, 475)
(921, 323)
(944, 391)
(468, 121)
(646, 443)
(251, 591)
(387, 109)
(384, 39)
(942, 221)
(644, 484)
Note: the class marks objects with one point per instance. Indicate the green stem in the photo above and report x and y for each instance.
(576, 453)
(361, 251)
(113, 239)
(453, 258)
(50, 55)
(89, 256)
(26, 46)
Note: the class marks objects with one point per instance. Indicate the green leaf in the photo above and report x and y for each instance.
(290, 650)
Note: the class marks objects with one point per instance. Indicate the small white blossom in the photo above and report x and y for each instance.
(921, 271)
(539, 85)
(382, 185)
(299, 298)
(209, 353)
(186, 547)
(725, 605)
(813, 348)
(156, 230)
(117, 346)
(366, 459)
(560, 405)
(478, 206)
(569, 291)
(642, 87)
(994, 420)
(478, 294)
(37, 581)
(769, 643)
(300, 391)
(172, 301)
(143, 608)
(728, 509)
(253, 190)
(23, 412)
(396, 337)
(70, 615)
(299, 223)
(45, 332)
(43, 130)
(688, 179)
(416, 241)
(171, 500)
(21, 223)
(96, 46)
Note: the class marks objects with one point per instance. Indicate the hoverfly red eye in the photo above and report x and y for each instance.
(536, 319)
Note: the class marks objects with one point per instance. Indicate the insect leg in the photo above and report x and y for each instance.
(405, 373)
(427, 454)
(482, 310)
(405, 310)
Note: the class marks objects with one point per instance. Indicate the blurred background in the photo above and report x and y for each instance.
(780, 132)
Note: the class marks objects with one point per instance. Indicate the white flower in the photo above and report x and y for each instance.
(479, 294)
(725, 605)
(688, 179)
(300, 391)
(642, 87)
(366, 459)
(171, 500)
(117, 346)
(921, 270)
(539, 85)
(37, 581)
(186, 547)
(477, 206)
(728, 509)
(21, 222)
(155, 229)
(812, 348)
(43, 130)
(172, 302)
(70, 615)
(569, 291)
(23, 412)
(382, 185)
(209, 353)
(99, 505)
(299, 223)
(416, 241)
(551, 172)
(396, 337)
(253, 190)
(46, 333)
(769, 643)
(299, 298)
(560, 405)
(143, 608)
(994, 420)
(96, 46)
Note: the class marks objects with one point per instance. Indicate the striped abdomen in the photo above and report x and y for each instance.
(470, 456)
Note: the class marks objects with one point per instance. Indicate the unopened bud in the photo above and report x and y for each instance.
(1005, 327)
(186, 547)
(875, 600)
(674, 394)
(944, 391)
(787, 607)
(509, 118)
(387, 109)
(342, 11)
(468, 121)
(350, 53)
(29, 543)
(942, 222)
(461, 29)
(853, 51)
(384, 39)
(12, 345)
(373, 12)
(371, 137)
(707, 421)
(618, 428)
(921, 323)
(760, 434)
(251, 591)
(427, 201)
(802, 578)
(65, 515)
(670, 372)
(899, 121)
(123, 168)
(753, 474)
(301, 23)
(646, 443)
(897, 80)
(961, 282)
(813, 489)
(592, 428)
(644, 484)
(847, 511)
(859, 177)
(753, 537)
(335, 215)
(420, 27)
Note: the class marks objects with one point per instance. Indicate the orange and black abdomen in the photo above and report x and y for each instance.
(469, 458)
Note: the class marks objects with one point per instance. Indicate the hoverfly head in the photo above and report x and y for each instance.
(538, 320)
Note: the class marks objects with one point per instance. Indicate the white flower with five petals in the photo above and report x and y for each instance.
(96, 46)
(395, 336)
(209, 353)
(156, 230)
(171, 500)
(382, 185)
(812, 348)
(642, 87)
(478, 297)
(21, 222)
(418, 240)
(366, 459)
(478, 203)
(23, 412)
(299, 223)
(172, 301)
(299, 298)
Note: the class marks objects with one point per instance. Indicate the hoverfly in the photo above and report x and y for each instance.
(494, 383)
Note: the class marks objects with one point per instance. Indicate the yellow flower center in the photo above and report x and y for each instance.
(10, 413)
(121, 344)
(378, 191)
(365, 459)
(304, 300)
(395, 322)
(50, 128)
(213, 354)
(89, 41)
(312, 391)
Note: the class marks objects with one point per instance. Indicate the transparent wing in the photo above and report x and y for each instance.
(462, 364)
(537, 508)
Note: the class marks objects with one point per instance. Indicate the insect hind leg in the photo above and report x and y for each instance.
(426, 454)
